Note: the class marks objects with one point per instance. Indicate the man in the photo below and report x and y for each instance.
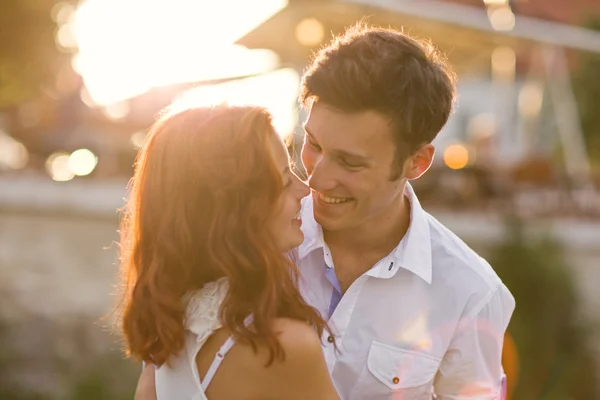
(415, 312)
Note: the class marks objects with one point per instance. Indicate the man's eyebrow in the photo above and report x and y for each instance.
(343, 153)
(339, 153)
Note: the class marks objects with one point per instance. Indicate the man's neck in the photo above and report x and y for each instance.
(379, 235)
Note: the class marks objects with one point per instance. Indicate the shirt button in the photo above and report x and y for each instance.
(330, 339)
(396, 380)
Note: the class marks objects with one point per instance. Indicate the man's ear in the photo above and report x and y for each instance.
(419, 162)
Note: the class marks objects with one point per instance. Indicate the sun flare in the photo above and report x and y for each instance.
(127, 47)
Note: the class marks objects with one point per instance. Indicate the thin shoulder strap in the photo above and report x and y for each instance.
(217, 362)
(219, 358)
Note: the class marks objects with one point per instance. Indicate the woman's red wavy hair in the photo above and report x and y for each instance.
(205, 185)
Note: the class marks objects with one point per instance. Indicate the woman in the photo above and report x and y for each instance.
(209, 296)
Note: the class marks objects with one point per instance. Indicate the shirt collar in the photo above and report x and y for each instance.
(313, 233)
(413, 253)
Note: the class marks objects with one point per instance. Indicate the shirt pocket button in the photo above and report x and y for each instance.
(396, 380)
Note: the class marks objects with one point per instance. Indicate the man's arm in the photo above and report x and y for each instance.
(472, 366)
(145, 388)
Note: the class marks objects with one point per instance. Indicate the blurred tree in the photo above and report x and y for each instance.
(29, 57)
(555, 356)
(586, 82)
(79, 358)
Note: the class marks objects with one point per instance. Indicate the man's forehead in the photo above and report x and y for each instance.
(352, 132)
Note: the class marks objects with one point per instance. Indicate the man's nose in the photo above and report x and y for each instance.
(321, 177)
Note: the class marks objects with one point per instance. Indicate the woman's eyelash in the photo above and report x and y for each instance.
(313, 144)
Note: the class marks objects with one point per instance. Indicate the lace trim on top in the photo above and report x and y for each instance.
(202, 309)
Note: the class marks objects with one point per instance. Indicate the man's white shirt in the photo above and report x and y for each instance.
(429, 318)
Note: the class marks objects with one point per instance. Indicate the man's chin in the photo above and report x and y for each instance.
(327, 223)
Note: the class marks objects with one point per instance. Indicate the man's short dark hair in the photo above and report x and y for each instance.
(387, 71)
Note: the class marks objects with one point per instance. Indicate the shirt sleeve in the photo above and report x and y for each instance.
(472, 366)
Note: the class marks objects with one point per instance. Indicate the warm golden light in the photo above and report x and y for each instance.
(85, 97)
(456, 156)
(65, 37)
(57, 166)
(310, 32)
(117, 111)
(62, 12)
(276, 91)
(13, 154)
(75, 64)
(138, 139)
(127, 47)
(482, 126)
(82, 162)
(531, 97)
(502, 18)
(504, 62)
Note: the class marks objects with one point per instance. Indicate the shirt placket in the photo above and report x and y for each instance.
(336, 294)
(329, 271)
(340, 320)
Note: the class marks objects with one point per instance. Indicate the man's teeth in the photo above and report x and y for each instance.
(332, 200)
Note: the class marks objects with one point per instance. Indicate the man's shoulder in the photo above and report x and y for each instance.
(466, 274)
(453, 258)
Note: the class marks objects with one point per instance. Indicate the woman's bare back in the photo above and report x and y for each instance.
(244, 374)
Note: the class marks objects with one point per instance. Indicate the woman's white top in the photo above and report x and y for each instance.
(180, 379)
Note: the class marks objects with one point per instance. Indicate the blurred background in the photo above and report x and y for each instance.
(516, 174)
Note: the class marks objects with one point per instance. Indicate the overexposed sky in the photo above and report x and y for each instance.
(127, 47)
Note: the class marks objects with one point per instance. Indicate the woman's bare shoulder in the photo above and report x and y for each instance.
(294, 335)
(297, 339)
(302, 372)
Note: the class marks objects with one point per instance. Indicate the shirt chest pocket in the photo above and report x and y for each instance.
(401, 369)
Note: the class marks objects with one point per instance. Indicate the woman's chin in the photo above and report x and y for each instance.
(291, 240)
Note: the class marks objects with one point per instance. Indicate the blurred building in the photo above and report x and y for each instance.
(569, 12)
(516, 107)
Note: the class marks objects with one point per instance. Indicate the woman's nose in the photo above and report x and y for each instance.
(303, 189)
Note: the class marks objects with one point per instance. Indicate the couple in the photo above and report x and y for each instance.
(243, 283)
